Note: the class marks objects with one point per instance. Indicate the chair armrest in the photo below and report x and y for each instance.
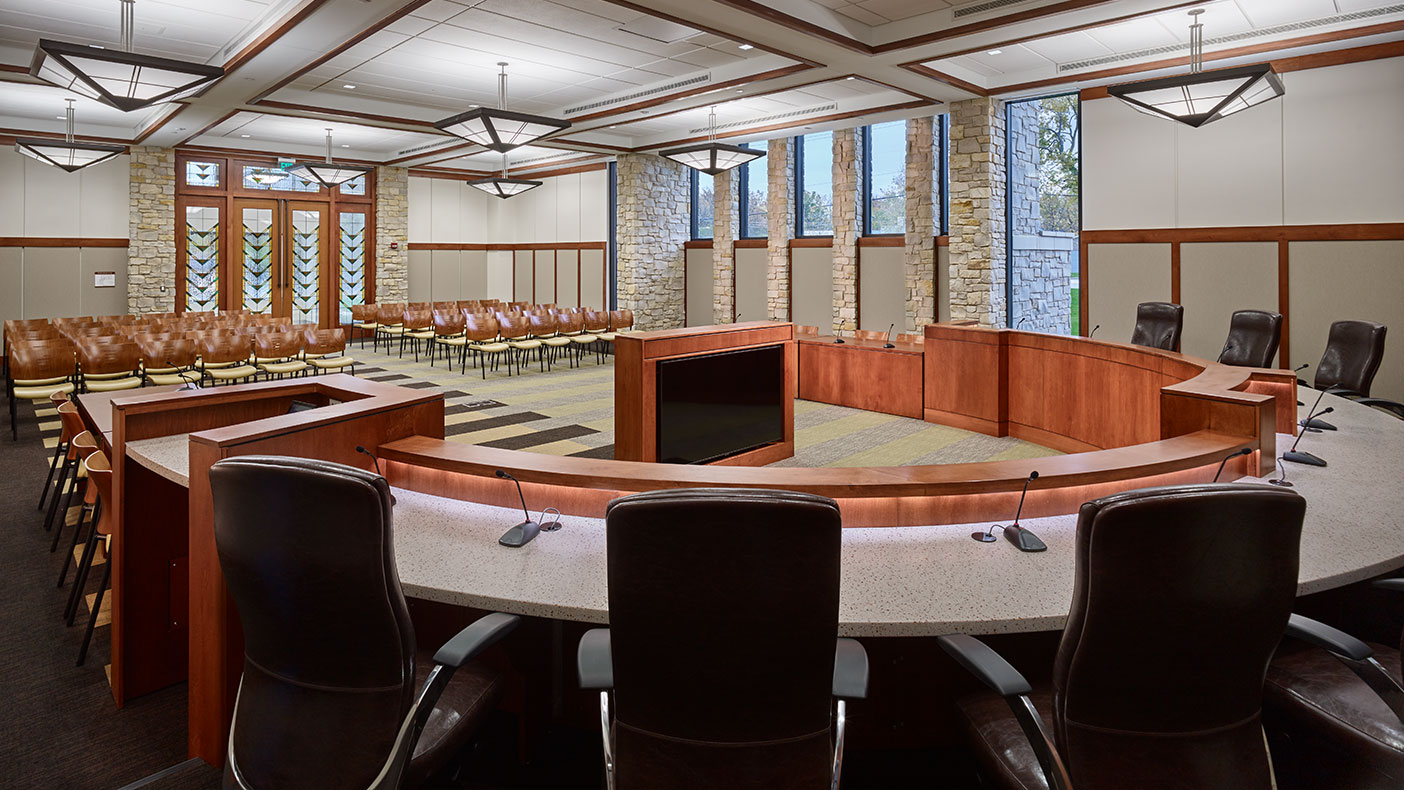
(985, 664)
(1344, 393)
(850, 670)
(1397, 585)
(1394, 407)
(594, 660)
(476, 638)
(1324, 636)
(1006, 681)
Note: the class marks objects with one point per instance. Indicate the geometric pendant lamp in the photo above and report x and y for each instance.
(712, 157)
(502, 186)
(67, 154)
(499, 129)
(328, 173)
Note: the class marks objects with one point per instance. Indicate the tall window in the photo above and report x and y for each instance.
(703, 205)
(885, 178)
(755, 185)
(943, 159)
(1043, 151)
(814, 184)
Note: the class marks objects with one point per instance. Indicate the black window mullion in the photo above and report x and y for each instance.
(799, 186)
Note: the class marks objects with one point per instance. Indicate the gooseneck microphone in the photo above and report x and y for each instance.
(525, 532)
(1281, 479)
(1025, 318)
(1306, 458)
(1234, 454)
(1022, 539)
(363, 451)
(1299, 369)
(182, 372)
(1313, 425)
(889, 335)
(1091, 334)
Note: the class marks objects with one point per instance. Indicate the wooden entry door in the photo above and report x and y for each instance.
(283, 265)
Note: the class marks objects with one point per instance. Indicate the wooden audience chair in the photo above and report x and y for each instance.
(804, 330)
(38, 369)
(108, 367)
(545, 328)
(418, 326)
(56, 399)
(363, 321)
(326, 350)
(390, 319)
(517, 332)
(593, 338)
(68, 476)
(169, 360)
(100, 475)
(279, 354)
(225, 358)
(448, 334)
(558, 343)
(481, 332)
(870, 334)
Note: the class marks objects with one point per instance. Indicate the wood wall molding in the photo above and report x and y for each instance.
(895, 240)
(751, 243)
(544, 245)
(812, 241)
(55, 241)
(697, 244)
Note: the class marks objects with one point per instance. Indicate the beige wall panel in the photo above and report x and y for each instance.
(499, 275)
(51, 200)
(1128, 168)
(1354, 112)
(12, 193)
(523, 275)
(444, 274)
(104, 200)
(882, 289)
(594, 279)
(1338, 280)
(544, 207)
(568, 278)
(51, 282)
(420, 276)
(11, 283)
(1215, 281)
(421, 202)
(102, 301)
(943, 284)
(545, 277)
(472, 213)
(444, 221)
(1230, 171)
(700, 278)
(567, 220)
(812, 284)
(473, 275)
(751, 285)
(1119, 277)
(594, 205)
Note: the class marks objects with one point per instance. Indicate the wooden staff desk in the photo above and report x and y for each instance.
(862, 374)
(171, 615)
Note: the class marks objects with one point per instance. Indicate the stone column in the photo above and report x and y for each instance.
(151, 223)
(780, 228)
(977, 211)
(391, 226)
(726, 227)
(848, 226)
(922, 199)
(652, 226)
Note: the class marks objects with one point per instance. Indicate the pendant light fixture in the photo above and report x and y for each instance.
(67, 154)
(712, 157)
(1200, 97)
(498, 129)
(502, 186)
(121, 78)
(327, 173)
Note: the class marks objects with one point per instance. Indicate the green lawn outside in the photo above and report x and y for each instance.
(1076, 310)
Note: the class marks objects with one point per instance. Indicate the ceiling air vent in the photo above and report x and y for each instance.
(1291, 27)
(700, 79)
(421, 148)
(767, 119)
(980, 8)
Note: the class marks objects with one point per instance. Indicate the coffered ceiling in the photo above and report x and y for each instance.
(630, 76)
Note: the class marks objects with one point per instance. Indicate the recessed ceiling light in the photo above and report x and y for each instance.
(614, 126)
(243, 135)
(344, 145)
(61, 117)
(994, 52)
(349, 87)
(740, 90)
(745, 46)
(849, 78)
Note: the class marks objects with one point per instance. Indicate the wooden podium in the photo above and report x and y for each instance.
(636, 358)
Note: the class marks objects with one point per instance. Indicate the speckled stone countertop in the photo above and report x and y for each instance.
(897, 581)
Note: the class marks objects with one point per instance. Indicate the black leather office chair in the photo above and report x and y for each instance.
(1340, 703)
(1252, 339)
(1354, 351)
(333, 694)
(721, 651)
(1180, 596)
(1158, 325)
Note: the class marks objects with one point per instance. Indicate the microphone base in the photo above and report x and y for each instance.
(520, 535)
(1302, 458)
(983, 537)
(1316, 426)
(889, 345)
(1023, 539)
(1282, 483)
(838, 340)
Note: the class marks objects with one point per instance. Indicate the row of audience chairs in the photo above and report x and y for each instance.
(1151, 688)
(66, 356)
(490, 331)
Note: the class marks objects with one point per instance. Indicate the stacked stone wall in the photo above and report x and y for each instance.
(848, 226)
(977, 211)
(652, 226)
(922, 201)
(151, 228)
(726, 228)
(391, 226)
(780, 226)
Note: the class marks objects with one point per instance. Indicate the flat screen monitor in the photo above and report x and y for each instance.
(719, 405)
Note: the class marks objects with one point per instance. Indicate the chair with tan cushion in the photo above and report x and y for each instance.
(389, 319)
(448, 335)
(484, 341)
(107, 366)
(279, 354)
(418, 327)
(517, 333)
(169, 360)
(225, 358)
(38, 369)
(326, 350)
(363, 321)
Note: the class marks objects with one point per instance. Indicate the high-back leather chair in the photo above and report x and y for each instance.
(1354, 350)
(1180, 596)
(1252, 339)
(1158, 325)
(330, 671)
(721, 650)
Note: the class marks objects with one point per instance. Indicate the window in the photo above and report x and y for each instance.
(703, 205)
(885, 178)
(201, 257)
(943, 159)
(1042, 149)
(201, 174)
(351, 251)
(755, 185)
(814, 184)
(275, 178)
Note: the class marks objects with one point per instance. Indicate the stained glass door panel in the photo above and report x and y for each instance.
(201, 258)
(351, 260)
(303, 280)
(258, 255)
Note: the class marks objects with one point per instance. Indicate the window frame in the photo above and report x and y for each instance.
(866, 159)
(743, 203)
(798, 196)
(694, 185)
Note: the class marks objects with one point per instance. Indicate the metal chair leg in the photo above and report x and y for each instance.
(63, 514)
(90, 520)
(58, 491)
(59, 450)
(80, 575)
(97, 607)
